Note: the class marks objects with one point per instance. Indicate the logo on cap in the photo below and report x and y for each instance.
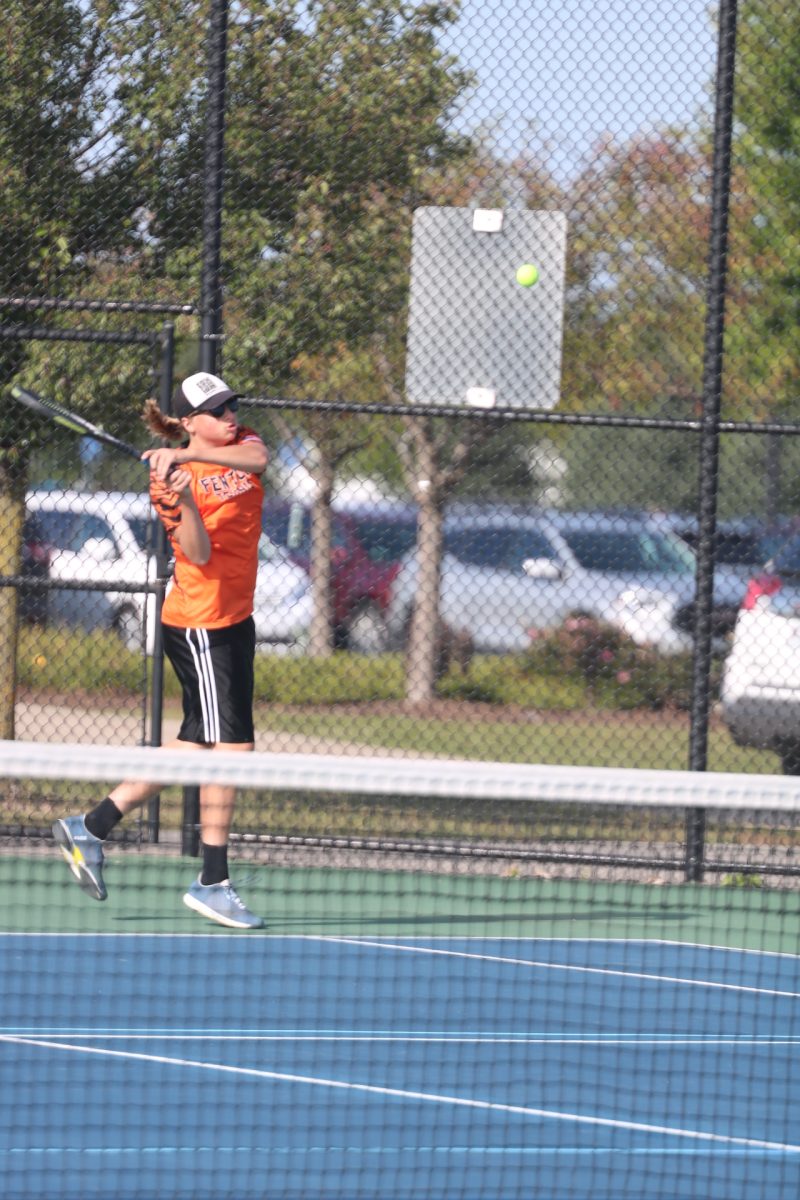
(199, 392)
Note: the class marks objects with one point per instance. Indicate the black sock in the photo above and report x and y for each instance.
(215, 864)
(102, 819)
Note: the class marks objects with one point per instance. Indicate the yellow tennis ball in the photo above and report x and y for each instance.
(40, 660)
(527, 275)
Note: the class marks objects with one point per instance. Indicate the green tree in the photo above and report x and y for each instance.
(635, 304)
(330, 134)
(335, 112)
(762, 332)
(54, 173)
(335, 128)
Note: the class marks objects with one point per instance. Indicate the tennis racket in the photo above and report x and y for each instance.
(62, 416)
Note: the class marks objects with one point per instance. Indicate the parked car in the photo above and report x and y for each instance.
(282, 600)
(110, 538)
(760, 692)
(97, 538)
(368, 542)
(507, 574)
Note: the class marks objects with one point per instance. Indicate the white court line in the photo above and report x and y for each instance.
(549, 966)
(555, 1039)
(403, 1094)
(256, 936)
(80, 1154)
(571, 941)
(495, 958)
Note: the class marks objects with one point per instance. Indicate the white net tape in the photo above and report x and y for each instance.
(402, 777)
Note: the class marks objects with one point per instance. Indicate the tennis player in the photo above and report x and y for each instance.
(208, 493)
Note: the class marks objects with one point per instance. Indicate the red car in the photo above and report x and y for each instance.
(367, 544)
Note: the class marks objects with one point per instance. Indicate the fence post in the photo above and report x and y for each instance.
(709, 437)
(213, 184)
(161, 558)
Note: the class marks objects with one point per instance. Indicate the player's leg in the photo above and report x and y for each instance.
(212, 894)
(83, 853)
(80, 838)
(219, 664)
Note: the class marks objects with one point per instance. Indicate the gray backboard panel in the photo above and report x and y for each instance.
(476, 337)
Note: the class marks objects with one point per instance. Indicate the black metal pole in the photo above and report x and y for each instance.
(709, 434)
(213, 180)
(210, 279)
(161, 560)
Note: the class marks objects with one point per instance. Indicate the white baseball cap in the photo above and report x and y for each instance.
(200, 392)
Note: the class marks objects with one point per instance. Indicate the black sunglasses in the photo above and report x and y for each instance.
(219, 411)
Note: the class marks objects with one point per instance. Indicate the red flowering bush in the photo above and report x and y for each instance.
(616, 672)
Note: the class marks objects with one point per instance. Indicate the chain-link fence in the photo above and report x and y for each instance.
(542, 586)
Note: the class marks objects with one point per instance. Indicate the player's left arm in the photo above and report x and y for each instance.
(175, 505)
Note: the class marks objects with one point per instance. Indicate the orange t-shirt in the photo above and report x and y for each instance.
(220, 593)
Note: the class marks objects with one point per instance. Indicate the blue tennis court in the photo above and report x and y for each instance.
(139, 1065)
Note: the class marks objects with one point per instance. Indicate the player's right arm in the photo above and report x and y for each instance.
(247, 453)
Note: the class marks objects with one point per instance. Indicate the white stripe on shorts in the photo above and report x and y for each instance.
(207, 684)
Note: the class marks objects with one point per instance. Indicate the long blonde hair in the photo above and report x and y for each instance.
(163, 426)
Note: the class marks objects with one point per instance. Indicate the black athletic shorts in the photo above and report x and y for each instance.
(215, 669)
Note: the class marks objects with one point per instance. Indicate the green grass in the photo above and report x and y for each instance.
(351, 700)
(356, 704)
(67, 660)
(584, 738)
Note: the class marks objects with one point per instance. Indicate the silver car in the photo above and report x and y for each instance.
(507, 575)
(109, 537)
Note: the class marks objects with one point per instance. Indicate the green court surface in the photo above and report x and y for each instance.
(38, 895)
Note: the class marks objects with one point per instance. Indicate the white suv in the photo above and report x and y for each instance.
(110, 538)
(761, 679)
(98, 537)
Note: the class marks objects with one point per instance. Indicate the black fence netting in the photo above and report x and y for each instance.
(576, 549)
(510, 293)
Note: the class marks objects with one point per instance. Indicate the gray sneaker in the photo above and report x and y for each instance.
(220, 902)
(83, 853)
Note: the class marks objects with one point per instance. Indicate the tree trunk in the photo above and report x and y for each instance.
(12, 521)
(423, 636)
(320, 644)
(421, 646)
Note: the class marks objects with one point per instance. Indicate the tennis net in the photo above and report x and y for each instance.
(473, 980)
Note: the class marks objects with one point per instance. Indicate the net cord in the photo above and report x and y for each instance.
(383, 776)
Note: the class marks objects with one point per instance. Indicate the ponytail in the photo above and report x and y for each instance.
(163, 426)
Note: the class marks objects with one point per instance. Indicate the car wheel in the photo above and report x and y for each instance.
(367, 632)
(128, 624)
(790, 757)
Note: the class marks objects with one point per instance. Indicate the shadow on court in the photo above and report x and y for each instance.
(145, 894)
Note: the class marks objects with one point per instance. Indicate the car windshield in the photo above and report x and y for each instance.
(787, 558)
(740, 549)
(58, 529)
(71, 531)
(733, 548)
(386, 541)
(628, 551)
(289, 526)
(497, 548)
(268, 551)
(144, 530)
